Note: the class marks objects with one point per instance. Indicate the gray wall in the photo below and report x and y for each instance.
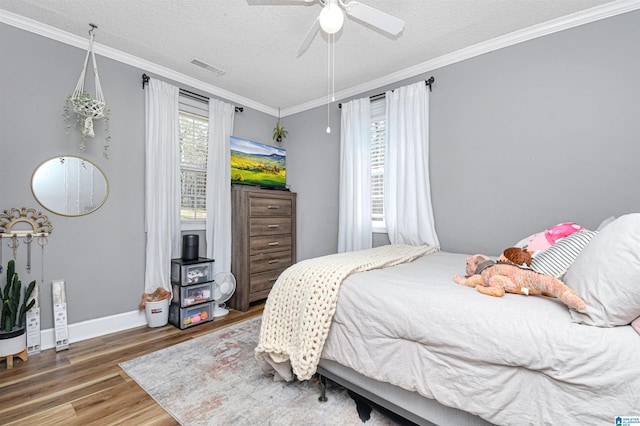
(522, 138)
(543, 132)
(101, 255)
(313, 173)
(539, 133)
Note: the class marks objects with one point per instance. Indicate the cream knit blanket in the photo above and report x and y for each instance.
(301, 304)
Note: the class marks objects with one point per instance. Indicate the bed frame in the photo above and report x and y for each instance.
(409, 405)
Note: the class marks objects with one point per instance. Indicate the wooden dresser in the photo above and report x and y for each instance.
(263, 241)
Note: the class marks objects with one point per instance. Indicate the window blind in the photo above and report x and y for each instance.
(194, 135)
(378, 126)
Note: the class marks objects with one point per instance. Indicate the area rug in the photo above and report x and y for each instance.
(215, 380)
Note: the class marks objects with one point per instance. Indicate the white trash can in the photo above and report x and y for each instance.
(157, 312)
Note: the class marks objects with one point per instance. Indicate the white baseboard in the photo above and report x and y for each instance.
(95, 328)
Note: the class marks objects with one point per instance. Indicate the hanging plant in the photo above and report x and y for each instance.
(81, 106)
(85, 107)
(279, 133)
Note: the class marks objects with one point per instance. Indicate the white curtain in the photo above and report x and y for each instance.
(354, 214)
(407, 191)
(218, 224)
(162, 183)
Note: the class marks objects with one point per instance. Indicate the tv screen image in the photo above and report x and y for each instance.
(254, 163)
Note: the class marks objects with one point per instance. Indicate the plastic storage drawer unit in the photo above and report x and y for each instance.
(190, 316)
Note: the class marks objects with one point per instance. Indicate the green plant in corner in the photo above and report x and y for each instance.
(279, 133)
(11, 316)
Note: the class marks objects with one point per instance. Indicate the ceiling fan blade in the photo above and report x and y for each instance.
(309, 37)
(277, 2)
(375, 17)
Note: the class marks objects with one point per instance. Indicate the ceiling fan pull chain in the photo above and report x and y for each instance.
(333, 69)
(329, 84)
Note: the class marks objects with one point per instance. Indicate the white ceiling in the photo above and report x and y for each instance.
(256, 41)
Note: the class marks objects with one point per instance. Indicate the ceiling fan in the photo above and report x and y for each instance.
(331, 19)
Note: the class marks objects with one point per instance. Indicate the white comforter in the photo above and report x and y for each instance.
(298, 313)
(513, 360)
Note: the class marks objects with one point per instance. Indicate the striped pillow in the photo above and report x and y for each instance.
(557, 259)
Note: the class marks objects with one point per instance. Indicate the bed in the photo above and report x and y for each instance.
(410, 339)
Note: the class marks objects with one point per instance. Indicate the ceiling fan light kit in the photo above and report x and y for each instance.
(331, 17)
(331, 20)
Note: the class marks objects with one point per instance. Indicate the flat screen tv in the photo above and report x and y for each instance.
(253, 163)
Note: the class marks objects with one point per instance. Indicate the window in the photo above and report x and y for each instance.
(378, 126)
(194, 137)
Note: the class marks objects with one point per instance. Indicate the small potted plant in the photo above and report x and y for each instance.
(279, 133)
(87, 109)
(13, 338)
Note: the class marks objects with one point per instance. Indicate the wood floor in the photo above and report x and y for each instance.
(85, 386)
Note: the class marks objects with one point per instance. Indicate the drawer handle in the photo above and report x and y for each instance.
(275, 243)
(272, 261)
(273, 207)
(273, 226)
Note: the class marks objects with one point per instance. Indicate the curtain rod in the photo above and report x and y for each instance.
(196, 96)
(428, 82)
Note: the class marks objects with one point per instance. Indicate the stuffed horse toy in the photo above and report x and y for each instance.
(494, 279)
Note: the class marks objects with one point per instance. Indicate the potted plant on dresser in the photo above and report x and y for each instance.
(13, 337)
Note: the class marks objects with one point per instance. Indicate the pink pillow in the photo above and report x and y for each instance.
(636, 325)
(543, 240)
(561, 230)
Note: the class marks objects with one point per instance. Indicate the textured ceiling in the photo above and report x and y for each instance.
(256, 41)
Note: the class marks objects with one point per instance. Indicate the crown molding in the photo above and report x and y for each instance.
(65, 37)
(597, 13)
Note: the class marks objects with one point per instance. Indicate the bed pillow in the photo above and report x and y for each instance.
(557, 259)
(605, 222)
(541, 241)
(606, 274)
(636, 325)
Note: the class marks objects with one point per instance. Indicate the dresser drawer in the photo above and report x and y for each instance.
(263, 281)
(269, 262)
(269, 244)
(260, 206)
(269, 226)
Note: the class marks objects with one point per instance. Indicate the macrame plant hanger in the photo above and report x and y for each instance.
(83, 105)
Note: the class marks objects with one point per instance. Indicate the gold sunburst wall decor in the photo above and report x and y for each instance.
(39, 223)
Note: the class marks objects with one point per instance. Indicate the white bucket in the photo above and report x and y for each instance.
(157, 312)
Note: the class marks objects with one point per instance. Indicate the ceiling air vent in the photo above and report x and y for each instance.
(206, 66)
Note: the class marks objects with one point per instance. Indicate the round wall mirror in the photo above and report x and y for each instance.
(69, 186)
